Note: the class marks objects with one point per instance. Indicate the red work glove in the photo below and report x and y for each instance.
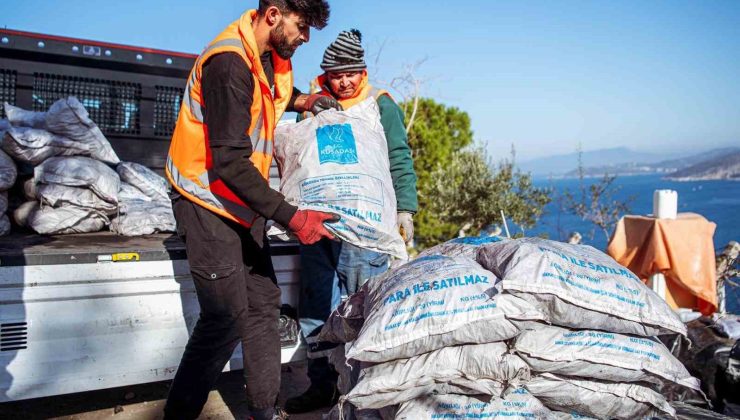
(308, 225)
(317, 103)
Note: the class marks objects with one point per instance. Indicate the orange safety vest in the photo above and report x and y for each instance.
(189, 164)
(364, 91)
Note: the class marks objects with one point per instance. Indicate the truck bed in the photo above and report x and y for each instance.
(33, 249)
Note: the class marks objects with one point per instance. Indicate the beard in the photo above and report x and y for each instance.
(280, 43)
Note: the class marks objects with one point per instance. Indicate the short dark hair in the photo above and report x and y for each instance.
(314, 12)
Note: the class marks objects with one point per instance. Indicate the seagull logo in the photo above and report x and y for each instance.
(336, 144)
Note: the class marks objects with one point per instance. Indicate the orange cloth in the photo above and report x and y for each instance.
(681, 249)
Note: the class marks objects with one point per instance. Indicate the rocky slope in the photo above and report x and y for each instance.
(725, 167)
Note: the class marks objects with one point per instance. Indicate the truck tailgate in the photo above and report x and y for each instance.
(92, 311)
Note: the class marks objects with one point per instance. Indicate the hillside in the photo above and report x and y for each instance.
(662, 167)
(722, 167)
(611, 158)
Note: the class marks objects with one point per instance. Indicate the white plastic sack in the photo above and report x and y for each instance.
(30, 192)
(128, 192)
(461, 247)
(476, 369)
(4, 225)
(138, 218)
(435, 302)
(33, 146)
(579, 287)
(570, 415)
(8, 171)
(131, 206)
(3, 202)
(604, 400)
(78, 171)
(727, 325)
(338, 162)
(21, 214)
(347, 412)
(147, 181)
(4, 127)
(347, 374)
(62, 195)
(68, 118)
(601, 355)
(19, 117)
(345, 322)
(337, 412)
(517, 405)
(63, 220)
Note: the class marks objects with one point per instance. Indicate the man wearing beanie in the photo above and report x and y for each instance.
(330, 269)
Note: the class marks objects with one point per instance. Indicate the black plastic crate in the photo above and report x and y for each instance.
(132, 93)
(166, 108)
(7, 89)
(113, 105)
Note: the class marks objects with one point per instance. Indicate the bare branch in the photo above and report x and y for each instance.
(407, 86)
(413, 114)
(597, 204)
(376, 60)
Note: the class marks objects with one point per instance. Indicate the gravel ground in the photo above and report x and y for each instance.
(146, 401)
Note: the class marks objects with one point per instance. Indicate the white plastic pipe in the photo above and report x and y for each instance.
(657, 283)
(665, 206)
(506, 226)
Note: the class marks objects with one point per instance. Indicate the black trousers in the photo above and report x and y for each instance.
(239, 303)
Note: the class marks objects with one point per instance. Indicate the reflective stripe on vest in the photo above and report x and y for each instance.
(259, 144)
(207, 196)
(189, 165)
(194, 105)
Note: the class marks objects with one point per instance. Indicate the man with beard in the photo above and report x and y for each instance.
(218, 163)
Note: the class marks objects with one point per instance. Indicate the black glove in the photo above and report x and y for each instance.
(318, 103)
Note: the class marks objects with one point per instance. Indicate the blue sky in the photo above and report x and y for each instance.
(542, 75)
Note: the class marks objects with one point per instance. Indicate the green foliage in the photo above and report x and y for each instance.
(438, 132)
(458, 187)
(471, 194)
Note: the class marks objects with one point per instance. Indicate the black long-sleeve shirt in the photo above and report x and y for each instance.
(227, 88)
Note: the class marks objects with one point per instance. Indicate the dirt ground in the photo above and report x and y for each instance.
(145, 402)
(226, 402)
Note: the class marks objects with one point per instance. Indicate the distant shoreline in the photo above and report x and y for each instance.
(695, 179)
(655, 174)
(716, 164)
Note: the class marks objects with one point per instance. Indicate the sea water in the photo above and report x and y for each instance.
(718, 201)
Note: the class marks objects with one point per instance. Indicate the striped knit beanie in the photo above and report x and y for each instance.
(345, 53)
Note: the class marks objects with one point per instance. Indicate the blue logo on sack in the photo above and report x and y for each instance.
(476, 240)
(336, 144)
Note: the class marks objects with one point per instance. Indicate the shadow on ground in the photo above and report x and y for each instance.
(146, 401)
